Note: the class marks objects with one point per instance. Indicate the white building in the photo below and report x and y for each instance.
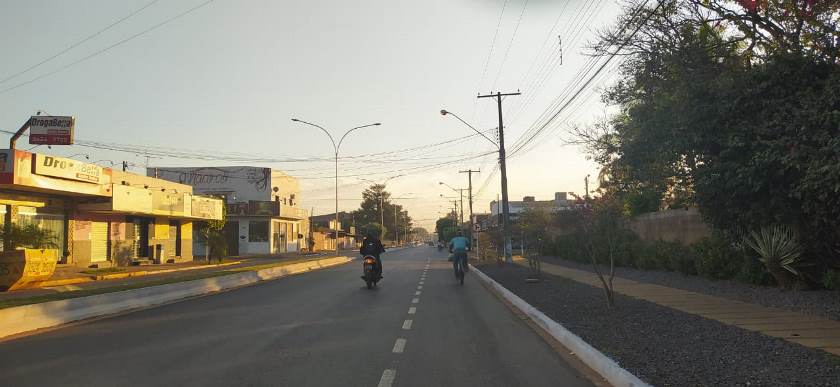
(263, 216)
(561, 202)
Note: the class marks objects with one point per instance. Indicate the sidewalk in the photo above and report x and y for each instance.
(72, 282)
(809, 331)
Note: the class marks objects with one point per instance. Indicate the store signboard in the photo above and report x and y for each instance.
(51, 130)
(263, 208)
(67, 169)
(7, 160)
(206, 208)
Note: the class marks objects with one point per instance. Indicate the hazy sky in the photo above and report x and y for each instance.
(227, 77)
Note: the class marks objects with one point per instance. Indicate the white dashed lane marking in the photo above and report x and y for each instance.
(399, 346)
(415, 300)
(419, 287)
(412, 310)
(421, 282)
(407, 324)
(387, 378)
(417, 293)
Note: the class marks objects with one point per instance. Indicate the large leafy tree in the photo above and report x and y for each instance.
(377, 206)
(731, 106)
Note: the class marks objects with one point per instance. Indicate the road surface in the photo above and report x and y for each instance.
(317, 329)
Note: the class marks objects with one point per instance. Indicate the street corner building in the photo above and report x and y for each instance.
(100, 217)
(263, 216)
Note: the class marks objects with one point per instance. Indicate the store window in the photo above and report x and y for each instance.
(258, 231)
(48, 219)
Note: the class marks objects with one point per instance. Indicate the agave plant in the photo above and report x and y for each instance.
(778, 250)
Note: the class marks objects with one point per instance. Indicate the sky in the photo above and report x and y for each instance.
(222, 79)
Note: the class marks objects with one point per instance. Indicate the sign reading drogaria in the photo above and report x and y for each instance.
(67, 169)
(51, 130)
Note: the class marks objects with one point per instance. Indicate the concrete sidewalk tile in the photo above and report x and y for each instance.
(832, 350)
(822, 342)
(781, 325)
(804, 333)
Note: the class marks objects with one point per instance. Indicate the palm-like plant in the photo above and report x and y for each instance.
(778, 250)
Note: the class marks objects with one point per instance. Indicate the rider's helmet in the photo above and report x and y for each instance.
(459, 233)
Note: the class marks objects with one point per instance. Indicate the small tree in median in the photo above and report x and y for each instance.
(602, 230)
(211, 232)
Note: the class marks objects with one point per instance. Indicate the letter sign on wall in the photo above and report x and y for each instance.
(67, 169)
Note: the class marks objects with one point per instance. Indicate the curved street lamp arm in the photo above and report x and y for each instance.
(335, 147)
(352, 130)
(445, 112)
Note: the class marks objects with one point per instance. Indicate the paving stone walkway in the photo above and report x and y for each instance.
(810, 331)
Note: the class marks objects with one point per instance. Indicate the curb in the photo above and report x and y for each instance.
(139, 273)
(595, 359)
(27, 318)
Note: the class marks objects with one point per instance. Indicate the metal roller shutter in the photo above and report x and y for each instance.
(98, 241)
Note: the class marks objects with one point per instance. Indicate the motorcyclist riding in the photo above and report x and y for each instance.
(373, 246)
(458, 246)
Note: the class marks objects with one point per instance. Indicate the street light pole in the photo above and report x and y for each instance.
(336, 147)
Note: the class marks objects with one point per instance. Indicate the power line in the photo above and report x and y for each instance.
(510, 43)
(589, 81)
(103, 50)
(74, 45)
(490, 53)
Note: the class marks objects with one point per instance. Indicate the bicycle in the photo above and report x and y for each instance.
(460, 266)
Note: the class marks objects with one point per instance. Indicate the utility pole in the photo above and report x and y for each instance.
(503, 167)
(470, 172)
(396, 227)
(586, 184)
(124, 165)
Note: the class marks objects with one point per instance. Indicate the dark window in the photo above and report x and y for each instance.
(258, 231)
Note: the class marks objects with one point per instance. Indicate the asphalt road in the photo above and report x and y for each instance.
(317, 329)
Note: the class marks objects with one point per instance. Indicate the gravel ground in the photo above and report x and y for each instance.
(823, 303)
(666, 347)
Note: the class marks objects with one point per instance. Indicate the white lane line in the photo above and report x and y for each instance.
(387, 378)
(417, 293)
(399, 346)
(415, 300)
(419, 287)
(412, 310)
(422, 282)
(407, 324)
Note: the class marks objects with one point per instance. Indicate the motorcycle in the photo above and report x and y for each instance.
(370, 274)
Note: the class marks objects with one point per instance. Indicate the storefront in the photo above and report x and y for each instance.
(97, 216)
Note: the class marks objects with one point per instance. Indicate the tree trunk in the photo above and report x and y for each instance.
(207, 246)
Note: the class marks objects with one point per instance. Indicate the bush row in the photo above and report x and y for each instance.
(710, 257)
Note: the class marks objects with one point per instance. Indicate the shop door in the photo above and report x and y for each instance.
(98, 241)
(231, 231)
(141, 238)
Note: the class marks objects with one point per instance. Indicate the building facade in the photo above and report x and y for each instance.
(99, 217)
(263, 216)
(562, 201)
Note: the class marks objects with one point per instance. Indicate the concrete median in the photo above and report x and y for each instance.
(27, 318)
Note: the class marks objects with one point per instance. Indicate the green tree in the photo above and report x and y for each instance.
(376, 207)
(729, 108)
(213, 237)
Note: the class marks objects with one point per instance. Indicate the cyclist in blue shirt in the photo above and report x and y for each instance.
(458, 246)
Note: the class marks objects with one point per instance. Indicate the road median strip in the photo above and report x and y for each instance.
(21, 319)
(606, 367)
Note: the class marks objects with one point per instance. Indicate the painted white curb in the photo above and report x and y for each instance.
(600, 363)
(26, 318)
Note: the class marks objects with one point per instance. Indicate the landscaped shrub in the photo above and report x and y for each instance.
(717, 259)
(831, 279)
(673, 256)
(753, 272)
